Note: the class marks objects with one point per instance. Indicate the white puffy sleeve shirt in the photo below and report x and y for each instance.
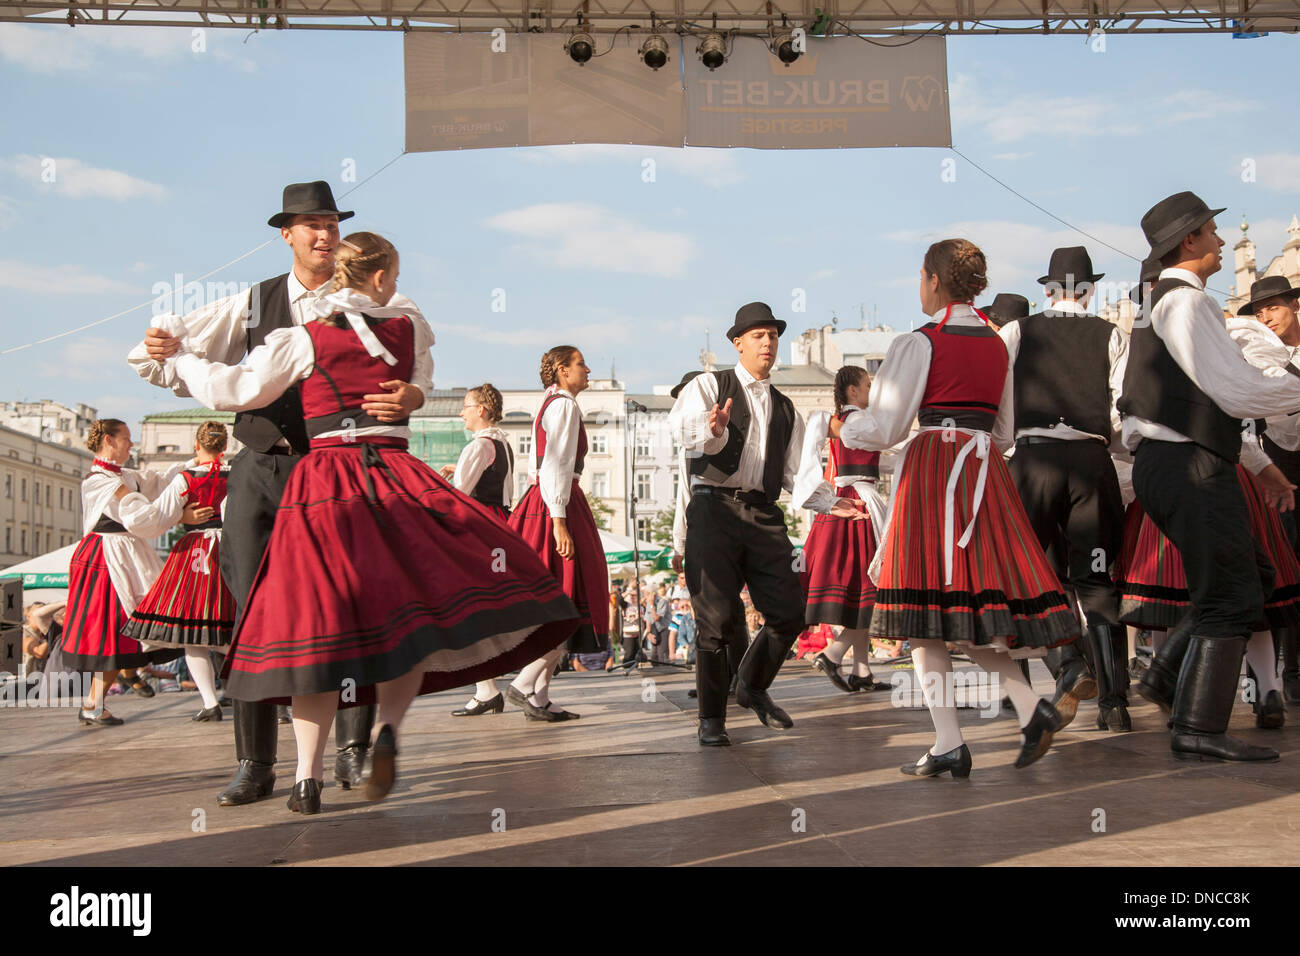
(562, 423)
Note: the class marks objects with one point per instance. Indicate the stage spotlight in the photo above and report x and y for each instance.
(783, 47)
(712, 51)
(654, 51)
(579, 47)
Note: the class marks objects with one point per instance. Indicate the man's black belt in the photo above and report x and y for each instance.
(744, 497)
(1044, 440)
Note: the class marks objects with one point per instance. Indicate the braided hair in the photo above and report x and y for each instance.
(845, 378)
(212, 437)
(358, 257)
(101, 428)
(553, 361)
(960, 266)
(490, 399)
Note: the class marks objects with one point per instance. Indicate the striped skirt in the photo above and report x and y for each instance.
(189, 605)
(836, 556)
(1154, 588)
(1003, 592)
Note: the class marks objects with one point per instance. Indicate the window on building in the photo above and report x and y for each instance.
(23, 492)
(65, 424)
(599, 444)
(643, 444)
(36, 492)
(643, 485)
(47, 496)
(9, 540)
(643, 528)
(24, 542)
(9, 487)
(600, 484)
(525, 445)
(677, 483)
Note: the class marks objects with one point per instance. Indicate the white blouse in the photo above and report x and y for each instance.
(554, 474)
(479, 455)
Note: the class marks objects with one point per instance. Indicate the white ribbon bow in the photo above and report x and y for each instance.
(352, 303)
(979, 442)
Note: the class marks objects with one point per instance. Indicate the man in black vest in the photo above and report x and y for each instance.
(275, 439)
(1068, 370)
(743, 440)
(1187, 390)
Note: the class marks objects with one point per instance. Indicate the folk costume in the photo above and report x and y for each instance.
(959, 562)
(1186, 392)
(736, 532)
(189, 605)
(275, 440)
(1068, 369)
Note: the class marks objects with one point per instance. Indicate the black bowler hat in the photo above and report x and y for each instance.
(307, 199)
(1269, 287)
(1150, 273)
(1070, 266)
(1170, 220)
(752, 316)
(686, 380)
(1006, 307)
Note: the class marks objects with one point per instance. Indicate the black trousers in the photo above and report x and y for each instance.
(1195, 499)
(253, 493)
(730, 545)
(1071, 494)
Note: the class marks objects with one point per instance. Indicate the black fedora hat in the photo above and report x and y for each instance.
(1006, 307)
(1173, 218)
(1150, 273)
(1070, 266)
(686, 380)
(307, 199)
(752, 316)
(1270, 287)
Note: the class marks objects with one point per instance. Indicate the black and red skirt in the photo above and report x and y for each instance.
(189, 605)
(584, 578)
(1003, 590)
(1154, 589)
(376, 565)
(94, 619)
(836, 555)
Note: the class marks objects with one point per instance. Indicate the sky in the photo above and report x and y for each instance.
(170, 160)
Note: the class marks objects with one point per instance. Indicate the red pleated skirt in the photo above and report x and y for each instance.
(1003, 591)
(1154, 582)
(93, 622)
(836, 556)
(376, 565)
(584, 578)
(189, 605)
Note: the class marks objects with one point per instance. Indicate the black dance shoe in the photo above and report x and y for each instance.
(105, 719)
(831, 670)
(383, 764)
(140, 687)
(857, 683)
(1272, 712)
(1217, 747)
(514, 696)
(253, 781)
(956, 762)
(350, 767)
(533, 712)
(713, 732)
(1115, 719)
(475, 707)
(225, 702)
(305, 797)
(1074, 685)
(1038, 733)
(693, 693)
(207, 714)
(760, 703)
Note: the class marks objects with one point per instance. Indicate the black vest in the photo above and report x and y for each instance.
(262, 428)
(1155, 388)
(1288, 462)
(723, 465)
(491, 487)
(1062, 373)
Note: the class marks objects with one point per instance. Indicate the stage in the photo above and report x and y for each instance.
(628, 785)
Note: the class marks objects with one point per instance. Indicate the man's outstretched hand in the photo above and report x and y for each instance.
(399, 401)
(160, 344)
(718, 418)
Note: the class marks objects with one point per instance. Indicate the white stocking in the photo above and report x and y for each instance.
(541, 696)
(837, 648)
(1262, 658)
(933, 668)
(199, 662)
(312, 716)
(857, 636)
(1010, 680)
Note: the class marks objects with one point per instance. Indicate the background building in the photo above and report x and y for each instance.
(40, 494)
(50, 421)
(1244, 267)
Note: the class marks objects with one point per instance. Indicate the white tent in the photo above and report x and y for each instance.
(44, 578)
(618, 552)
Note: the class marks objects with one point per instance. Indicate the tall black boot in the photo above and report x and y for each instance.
(758, 668)
(1160, 680)
(256, 733)
(1207, 686)
(1110, 651)
(711, 679)
(352, 737)
(1288, 639)
(1074, 682)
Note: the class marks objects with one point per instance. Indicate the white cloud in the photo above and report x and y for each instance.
(592, 335)
(74, 179)
(824, 274)
(1188, 105)
(713, 167)
(587, 236)
(54, 48)
(58, 280)
(1012, 157)
(80, 360)
(1280, 171)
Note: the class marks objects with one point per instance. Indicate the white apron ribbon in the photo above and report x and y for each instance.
(979, 443)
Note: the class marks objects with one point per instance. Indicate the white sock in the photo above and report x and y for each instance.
(1010, 681)
(836, 650)
(1132, 641)
(199, 661)
(541, 695)
(933, 668)
(1262, 658)
(857, 637)
(312, 716)
(485, 690)
(526, 680)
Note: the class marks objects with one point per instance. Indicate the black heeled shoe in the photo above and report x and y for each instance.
(1038, 733)
(1115, 719)
(105, 719)
(869, 682)
(713, 732)
(496, 705)
(207, 714)
(762, 704)
(383, 764)
(305, 797)
(514, 696)
(533, 712)
(831, 670)
(1272, 712)
(957, 762)
(139, 686)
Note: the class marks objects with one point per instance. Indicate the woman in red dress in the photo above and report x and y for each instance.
(380, 581)
(555, 520)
